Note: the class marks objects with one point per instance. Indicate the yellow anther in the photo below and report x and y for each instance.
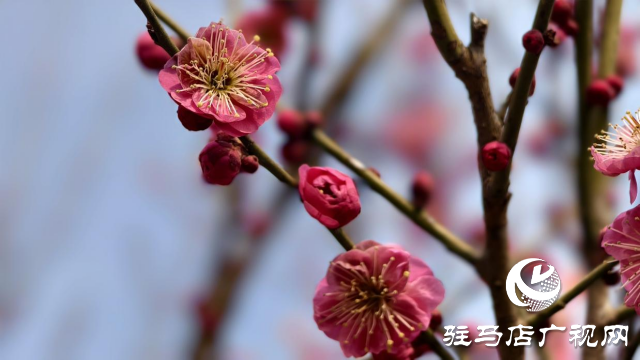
(267, 89)
(406, 274)
(269, 77)
(256, 38)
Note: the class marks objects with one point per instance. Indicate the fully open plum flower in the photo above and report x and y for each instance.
(328, 195)
(622, 241)
(376, 298)
(218, 75)
(619, 151)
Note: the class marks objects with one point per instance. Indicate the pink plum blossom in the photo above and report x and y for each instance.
(376, 298)
(622, 241)
(218, 75)
(619, 151)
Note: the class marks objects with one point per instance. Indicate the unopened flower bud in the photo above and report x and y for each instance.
(496, 156)
(436, 320)
(533, 41)
(616, 82)
(611, 277)
(314, 119)
(295, 151)
(421, 189)
(221, 159)
(599, 92)
(250, 164)
(151, 56)
(292, 123)
(514, 77)
(191, 121)
(562, 12)
(571, 28)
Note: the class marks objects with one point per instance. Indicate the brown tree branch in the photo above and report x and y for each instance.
(179, 30)
(159, 35)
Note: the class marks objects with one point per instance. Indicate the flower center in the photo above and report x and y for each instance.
(225, 79)
(366, 304)
(622, 139)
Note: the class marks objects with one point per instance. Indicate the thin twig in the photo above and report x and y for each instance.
(179, 30)
(436, 345)
(268, 163)
(342, 238)
(581, 286)
(420, 218)
(160, 36)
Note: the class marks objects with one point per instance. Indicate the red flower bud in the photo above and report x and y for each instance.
(206, 317)
(292, 123)
(191, 121)
(328, 195)
(250, 164)
(221, 159)
(533, 41)
(421, 189)
(496, 156)
(296, 151)
(571, 27)
(151, 56)
(562, 12)
(616, 82)
(436, 320)
(514, 77)
(611, 278)
(599, 92)
(314, 119)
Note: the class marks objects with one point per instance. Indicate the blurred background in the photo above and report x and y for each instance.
(111, 242)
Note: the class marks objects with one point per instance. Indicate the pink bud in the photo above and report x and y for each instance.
(295, 151)
(571, 27)
(292, 123)
(599, 92)
(616, 82)
(250, 164)
(562, 11)
(436, 320)
(151, 56)
(221, 159)
(533, 41)
(421, 189)
(192, 121)
(496, 156)
(314, 119)
(514, 77)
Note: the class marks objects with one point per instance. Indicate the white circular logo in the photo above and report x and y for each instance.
(538, 289)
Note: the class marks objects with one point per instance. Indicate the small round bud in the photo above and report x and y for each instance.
(151, 56)
(616, 82)
(221, 159)
(296, 151)
(562, 12)
(496, 156)
(314, 119)
(292, 123)
(599, 92)
(191, 121)
(533, 41)
(514, 77)
(436, 320)
(571, 27)
(421, 189)
(250, 164)
(611, 278)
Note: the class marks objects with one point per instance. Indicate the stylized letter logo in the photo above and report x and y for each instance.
(546, 286)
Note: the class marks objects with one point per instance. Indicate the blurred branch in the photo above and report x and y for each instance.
(420, 218)
(503, 108)
(581, 286)
(633, 346)
(159, 35)
(469, 65)
(621, 314)
(594, 211)
(429, 338)
(179, 30)
(378, 38)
